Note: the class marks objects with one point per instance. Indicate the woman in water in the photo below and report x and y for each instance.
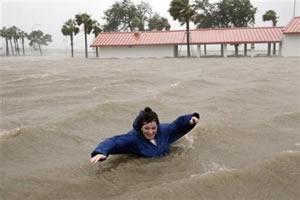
(148, 138)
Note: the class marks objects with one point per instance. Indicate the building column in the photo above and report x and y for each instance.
(224, 50)
(236, 49)
(280, 49)
(274, 48)
(245, 49)
(199, 50)
(269, 49)
(252, 50)
(97, 52)
(175, 53)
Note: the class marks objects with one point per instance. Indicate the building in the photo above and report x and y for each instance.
(291, 38)
(168, 43)
(138, 44)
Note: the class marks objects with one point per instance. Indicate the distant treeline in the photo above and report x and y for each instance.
(14, 37)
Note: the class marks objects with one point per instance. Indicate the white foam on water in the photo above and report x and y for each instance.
(174, 84)
(35, 76)
(9, 133)
(211, 167)
(20, 79)
(93, 89)
(45, 75)
(290, 151)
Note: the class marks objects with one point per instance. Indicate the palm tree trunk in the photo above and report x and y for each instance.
(97, 52)
(72, 50)
(85, 39)
(23, 49)
(12, 48)
(40, 49)
(7, 47)
(17, 47)
(188, 38)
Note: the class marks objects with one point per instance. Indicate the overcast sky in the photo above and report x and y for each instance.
(50, 15)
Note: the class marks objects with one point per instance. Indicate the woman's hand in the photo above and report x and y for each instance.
(98, 157)
(194, 120)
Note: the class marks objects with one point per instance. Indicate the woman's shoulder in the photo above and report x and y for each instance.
(132, 134)
(164, 127)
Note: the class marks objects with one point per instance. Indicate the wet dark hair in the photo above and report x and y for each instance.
(145, 116)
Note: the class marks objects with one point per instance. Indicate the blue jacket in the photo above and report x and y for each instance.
(135, 143)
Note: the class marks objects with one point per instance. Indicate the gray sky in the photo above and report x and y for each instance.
(50, 15)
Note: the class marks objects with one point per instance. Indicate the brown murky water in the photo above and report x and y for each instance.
(54, 111)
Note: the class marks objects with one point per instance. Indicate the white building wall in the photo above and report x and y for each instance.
(137, 51)
(291, 45)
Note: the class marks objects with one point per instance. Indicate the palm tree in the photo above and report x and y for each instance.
(4, 34)
(22, 35)
(182, 11)
(38, 38)
(87, 22)
(70, 28)
(96, 31)
(10, 33)
(271, 15)
(16, 36)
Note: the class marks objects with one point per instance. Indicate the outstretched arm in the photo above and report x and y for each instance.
(119, 144)
(182, 125)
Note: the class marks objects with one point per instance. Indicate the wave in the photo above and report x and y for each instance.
(29, 78)
(29, 145)
(277, 178)
(287, 116)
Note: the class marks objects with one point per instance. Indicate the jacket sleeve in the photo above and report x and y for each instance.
(120, 144)
(180, 127)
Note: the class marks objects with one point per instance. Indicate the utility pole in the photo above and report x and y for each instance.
(294, 8)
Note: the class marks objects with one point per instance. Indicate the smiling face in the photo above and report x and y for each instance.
(149, 130)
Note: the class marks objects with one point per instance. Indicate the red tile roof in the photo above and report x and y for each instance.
(237, 35)
(199, 36)
(293, 27)
(138, 38)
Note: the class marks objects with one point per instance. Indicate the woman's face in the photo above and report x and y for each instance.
(149, 130)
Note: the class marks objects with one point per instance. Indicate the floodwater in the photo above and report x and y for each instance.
(54, 111)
